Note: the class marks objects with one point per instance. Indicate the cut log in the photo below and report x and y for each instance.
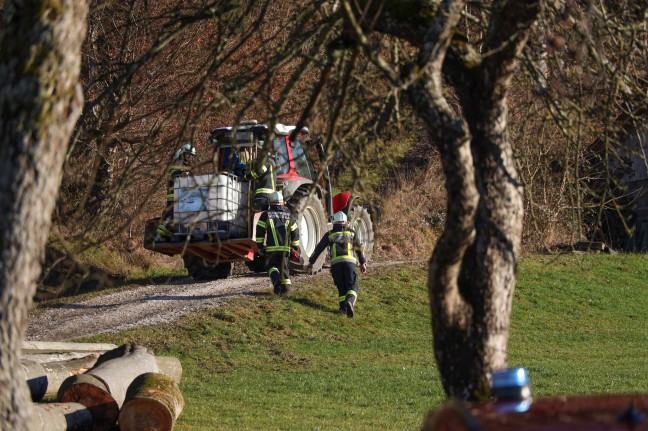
(57, 357)
(40, 347)
(60, 417)
(36, 378)
(91, 392)
(153, 403)
(104, 386)
(45, 378)
(171, 366)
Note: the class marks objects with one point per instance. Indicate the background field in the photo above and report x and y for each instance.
(579, 325)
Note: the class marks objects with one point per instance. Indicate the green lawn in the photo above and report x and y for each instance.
(579, 325)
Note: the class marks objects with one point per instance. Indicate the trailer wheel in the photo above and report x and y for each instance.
(312, 222)
(258, 265)
(360, 222)
(200, 269)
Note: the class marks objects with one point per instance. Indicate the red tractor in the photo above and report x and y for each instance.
(214, 223)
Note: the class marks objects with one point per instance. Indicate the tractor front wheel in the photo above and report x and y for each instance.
(360, 222)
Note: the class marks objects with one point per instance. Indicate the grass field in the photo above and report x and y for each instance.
(579, 325)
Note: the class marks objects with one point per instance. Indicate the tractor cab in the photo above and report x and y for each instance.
(235, 148)
(290, 154)
(238, 147)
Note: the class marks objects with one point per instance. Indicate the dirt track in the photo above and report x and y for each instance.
(146, 305)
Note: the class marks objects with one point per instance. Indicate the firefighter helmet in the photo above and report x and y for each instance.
(276, 198)
(339, 217)
(186, 148)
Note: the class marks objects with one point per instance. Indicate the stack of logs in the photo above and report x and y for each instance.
(99, 385)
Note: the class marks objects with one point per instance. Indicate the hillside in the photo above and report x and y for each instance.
(264, 362)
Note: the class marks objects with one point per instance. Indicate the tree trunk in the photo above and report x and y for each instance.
(471, 297)
(60, 417)
(472, 270)
(153, 403)
(103, 388)
(40, 101)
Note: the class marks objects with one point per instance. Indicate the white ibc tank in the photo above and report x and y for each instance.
(220, 200)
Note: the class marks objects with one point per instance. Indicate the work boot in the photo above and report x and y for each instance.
(349, 307)
(343, 308)
(276, 288)
(285, 289)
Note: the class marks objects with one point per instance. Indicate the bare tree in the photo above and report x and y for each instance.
(472, 269)
(581, 119)
(40, 101)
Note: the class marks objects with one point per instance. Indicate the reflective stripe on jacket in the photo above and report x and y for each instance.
(344, 246)
(175, 171)
(265, 178)
(277, 227)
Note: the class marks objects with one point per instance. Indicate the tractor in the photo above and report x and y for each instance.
(214, 224)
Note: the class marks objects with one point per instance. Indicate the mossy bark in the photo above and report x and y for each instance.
(153, 402)
(40, 101)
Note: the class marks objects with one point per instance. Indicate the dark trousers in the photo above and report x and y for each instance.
(278, 271)
(345, 277)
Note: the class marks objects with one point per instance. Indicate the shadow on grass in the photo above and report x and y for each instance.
(314, 305)
(301, 301)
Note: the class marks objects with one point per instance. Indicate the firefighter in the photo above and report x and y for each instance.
(182, 161)
(264, 175)
(278, 229)
(344, 246)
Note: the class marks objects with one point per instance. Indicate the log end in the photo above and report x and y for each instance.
(101, 405)
(145, 414)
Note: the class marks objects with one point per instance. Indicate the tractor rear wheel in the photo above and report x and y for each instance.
(360, 222)
(200, 269)
(312, 222)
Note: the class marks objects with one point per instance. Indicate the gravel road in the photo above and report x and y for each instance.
(132, 307)
(145, 305)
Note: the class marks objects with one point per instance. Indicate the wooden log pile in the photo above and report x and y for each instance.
(102, 386)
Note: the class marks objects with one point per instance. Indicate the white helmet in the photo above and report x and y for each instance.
(339, 217)
(186, 148)
(276, 198)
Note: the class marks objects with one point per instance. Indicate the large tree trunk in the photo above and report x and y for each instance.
(470, 298)
(472, 269)
(40, 101)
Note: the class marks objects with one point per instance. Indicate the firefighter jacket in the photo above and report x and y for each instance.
(277, 227)
(265, 178)
(175, 171)
(344, 246)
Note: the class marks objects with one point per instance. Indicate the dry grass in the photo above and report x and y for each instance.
(413, 214)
